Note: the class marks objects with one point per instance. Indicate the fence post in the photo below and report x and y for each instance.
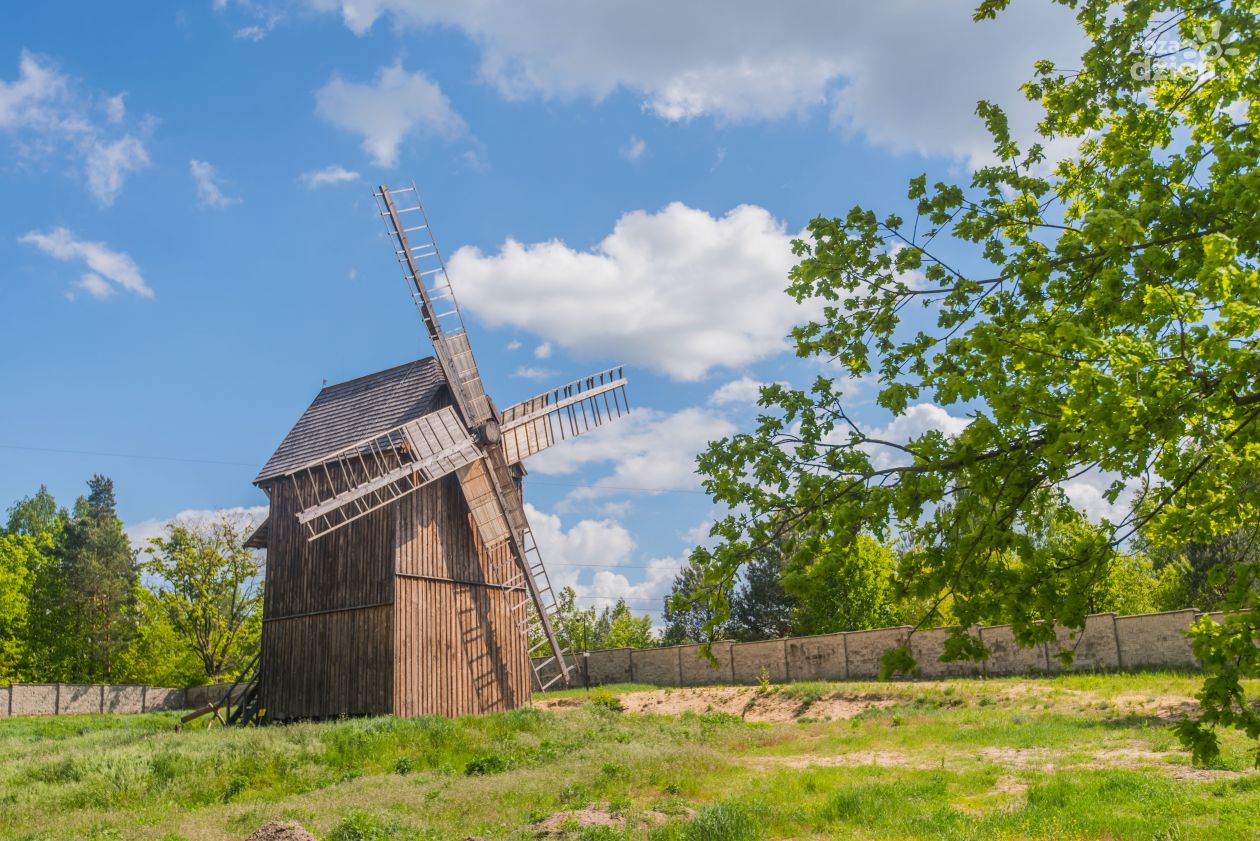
(57, 699)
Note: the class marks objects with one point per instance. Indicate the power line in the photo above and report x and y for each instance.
(125, 455)
(224, 463)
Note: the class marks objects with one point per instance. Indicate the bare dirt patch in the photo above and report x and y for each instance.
(749, 703)
(575, 820)
(879, 758)
(280, 831)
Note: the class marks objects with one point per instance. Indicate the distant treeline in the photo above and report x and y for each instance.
(80, 604)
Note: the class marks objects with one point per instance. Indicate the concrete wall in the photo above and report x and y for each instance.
(86, 699)
(753, 661)
(611, 666)
(926, 647)
(1007, 657)
(1094, 647)
(864, 648)
(157, 698)
(1156, 640)
(696, 670)
(659, 666)
(817, 658)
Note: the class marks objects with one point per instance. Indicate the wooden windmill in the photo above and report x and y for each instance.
(402, 575)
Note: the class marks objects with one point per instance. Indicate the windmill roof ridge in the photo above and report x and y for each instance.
(344, 413)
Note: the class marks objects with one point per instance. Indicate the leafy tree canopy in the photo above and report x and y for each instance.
(210, 591)
(1098, 312)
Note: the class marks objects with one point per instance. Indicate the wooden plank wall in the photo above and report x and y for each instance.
(327, 615)
(458, 649)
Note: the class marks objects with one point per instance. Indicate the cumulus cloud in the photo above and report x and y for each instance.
(47, 116)
(906, 75)
(543, 351)
(62, 244)
(387, 110)
(742, 390)
(327, 176)
(679, 291)
(648, 450)
(1085, 492)
(915, 421)
(587, 555)
(94, 285)
(634, 149)
(242, 517)
(209, 193)
(530, 372)
(109, 163)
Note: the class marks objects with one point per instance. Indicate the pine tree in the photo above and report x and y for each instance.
(99, 578)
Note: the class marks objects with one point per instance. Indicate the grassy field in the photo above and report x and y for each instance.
(1059, 758)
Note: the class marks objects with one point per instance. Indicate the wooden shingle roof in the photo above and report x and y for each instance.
(348, 412)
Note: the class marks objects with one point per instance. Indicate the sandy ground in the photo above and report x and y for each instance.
(562, 824)
(749, 703)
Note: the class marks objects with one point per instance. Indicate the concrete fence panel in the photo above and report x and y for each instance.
(1156, 640)
(657, 666)
(752, 661)
(80, 698)
(34, 698)
(160, 699)
(864, 648)
(548, 671)
(611, 666)
(6, 698)
(816, 658)
(926, 647)
(1007, 657)
(1094, 647)
(124, 699)
(695, 670)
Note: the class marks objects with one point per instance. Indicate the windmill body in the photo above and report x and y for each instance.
(402, 575)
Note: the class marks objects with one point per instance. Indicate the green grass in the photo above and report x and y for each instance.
(967, 759)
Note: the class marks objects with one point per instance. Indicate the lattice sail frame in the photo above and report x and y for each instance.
(533, 425)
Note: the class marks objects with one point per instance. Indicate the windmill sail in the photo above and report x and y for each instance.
(562, 413)
(340, 487)
(492, 495)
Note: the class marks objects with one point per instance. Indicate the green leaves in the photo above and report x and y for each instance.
(1098, 314)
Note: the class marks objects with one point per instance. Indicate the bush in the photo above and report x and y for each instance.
(362, 826)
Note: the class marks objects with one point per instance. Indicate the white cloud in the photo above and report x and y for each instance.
(326, 176)
(387, 110)
(47, 116)
(543, 351)
(242, 517)
(530, 372)
(209, 193)
(116, 108)
(95, 285)
(1085, 492)
(904, 74)
(649, 451)
(634, 148)
(61, 244)
(679, 290)
(742, 390)
(586, 556)
(513, 345)
(109, 163)
(915, 421)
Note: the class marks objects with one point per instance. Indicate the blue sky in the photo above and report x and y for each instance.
(190, 247)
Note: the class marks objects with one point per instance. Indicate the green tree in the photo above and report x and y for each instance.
(693, 613)
(99, 576)
(620, 628)
(209, 586)
(157, 653)
(19, 559)
(842, 586)
(760, 608)
(46, 644)
(1101, 312)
